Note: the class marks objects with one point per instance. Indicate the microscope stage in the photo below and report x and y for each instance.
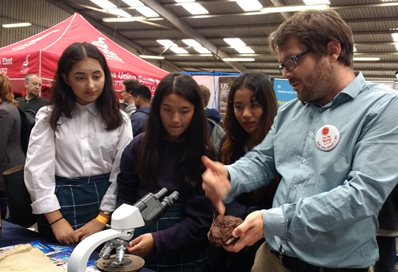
(131, 263)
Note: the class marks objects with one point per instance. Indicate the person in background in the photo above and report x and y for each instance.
(129, 85)
(32, 101)
(123, 106)
(75, 148)
(250, 112)
(168, 155)
(11, 153)
(142, 100)
(335, 148)
(387, 233)
(210, 112)
(215, 129)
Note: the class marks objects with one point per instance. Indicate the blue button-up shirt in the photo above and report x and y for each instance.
(325, 208)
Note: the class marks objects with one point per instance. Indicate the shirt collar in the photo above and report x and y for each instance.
(354, 87)
(91, 108)
(27, 101)
(348, 93)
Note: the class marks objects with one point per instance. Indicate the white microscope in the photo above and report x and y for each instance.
(124, 220)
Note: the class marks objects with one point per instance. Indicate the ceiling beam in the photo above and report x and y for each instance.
(190, 32)
(277, 3)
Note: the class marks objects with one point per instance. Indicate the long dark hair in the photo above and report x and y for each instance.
(63, 96)
(195, 137)
(235, 136)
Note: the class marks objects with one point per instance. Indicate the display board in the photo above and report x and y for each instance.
(218, 84)
(283, 90)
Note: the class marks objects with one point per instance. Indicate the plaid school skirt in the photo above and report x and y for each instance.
(192, 259)
(79, 198)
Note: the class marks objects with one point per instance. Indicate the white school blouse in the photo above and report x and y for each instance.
(81, 146)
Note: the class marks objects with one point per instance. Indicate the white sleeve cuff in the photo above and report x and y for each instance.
(45, 205)
(108, 203)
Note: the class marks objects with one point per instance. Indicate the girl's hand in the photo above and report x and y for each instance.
(64, 232)
(89, 228)
(142, 245)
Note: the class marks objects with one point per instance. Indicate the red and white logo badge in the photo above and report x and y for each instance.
(327, 137)
(25, 66)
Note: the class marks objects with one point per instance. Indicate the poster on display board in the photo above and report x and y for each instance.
(219, 84)
(283, 90)
(211, 83)
(225, 84)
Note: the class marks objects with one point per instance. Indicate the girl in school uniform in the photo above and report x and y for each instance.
(75, 147)
(250, 113)
(168, 154)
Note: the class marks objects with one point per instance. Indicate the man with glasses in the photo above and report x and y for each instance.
(335, 148)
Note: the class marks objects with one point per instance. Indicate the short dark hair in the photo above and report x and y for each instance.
(141, 91)
(131, 84)
(315, 29)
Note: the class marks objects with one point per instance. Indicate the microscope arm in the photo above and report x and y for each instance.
(80, 255)
(124, 220)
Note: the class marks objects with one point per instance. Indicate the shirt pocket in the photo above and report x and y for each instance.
(106, 144)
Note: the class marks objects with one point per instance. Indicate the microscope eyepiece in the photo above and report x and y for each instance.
(169, 200)
(152, 206)
(162, 192)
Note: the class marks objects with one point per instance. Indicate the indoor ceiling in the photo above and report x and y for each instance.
(372, 22)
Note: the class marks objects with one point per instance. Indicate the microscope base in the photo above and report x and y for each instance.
(131, 263)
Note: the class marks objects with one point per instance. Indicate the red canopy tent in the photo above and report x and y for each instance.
(39, 54)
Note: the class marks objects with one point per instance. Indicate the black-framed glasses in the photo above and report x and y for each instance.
(292, 62)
